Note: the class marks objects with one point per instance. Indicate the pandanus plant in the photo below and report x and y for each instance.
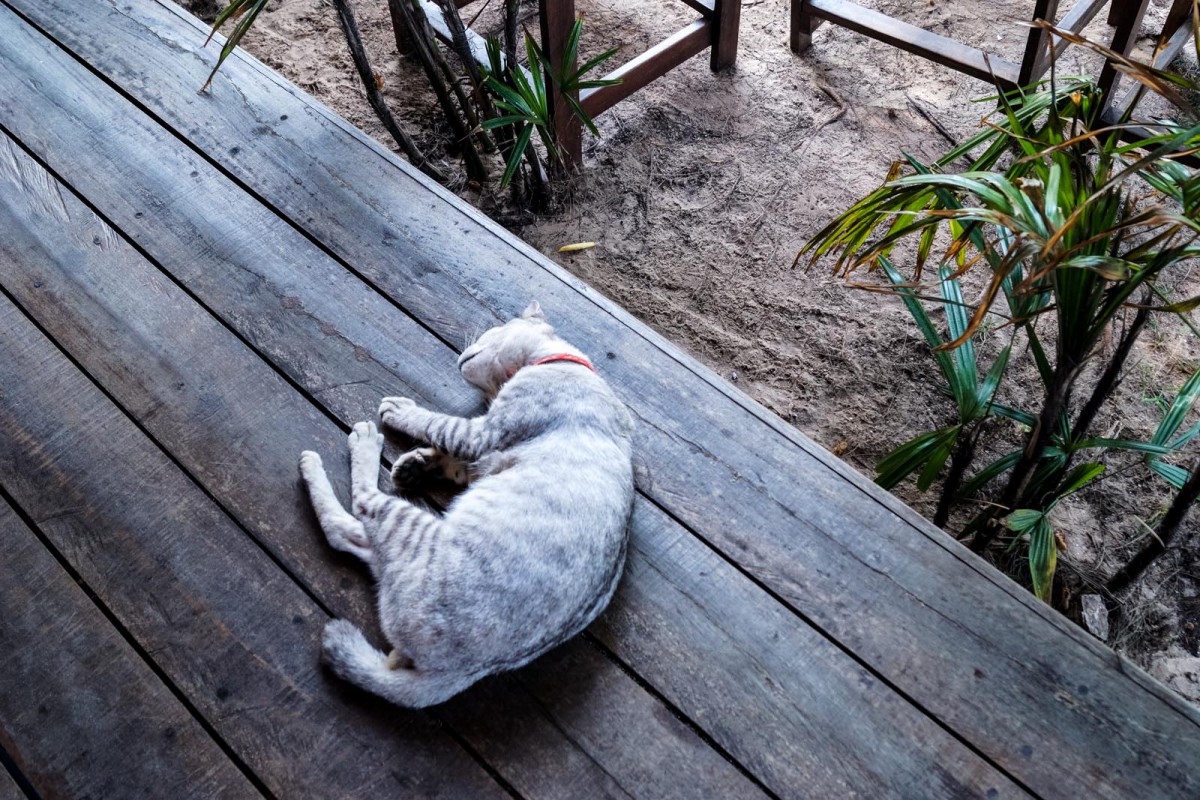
(1077, 231)
(487, 109)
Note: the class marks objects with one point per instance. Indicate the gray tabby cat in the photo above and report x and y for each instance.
(522, 560)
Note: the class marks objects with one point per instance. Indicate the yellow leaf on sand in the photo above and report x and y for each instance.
(574, 248)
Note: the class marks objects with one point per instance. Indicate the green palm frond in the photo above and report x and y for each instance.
(523, 93)
(245, 12)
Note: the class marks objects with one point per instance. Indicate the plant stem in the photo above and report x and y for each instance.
(453, 79)
(375, 97)
(1107, 383)
(535, 172)
(462, 47)
(1167, 529)
(418, 35)
(543, 193)
(964, 454)
(512, 13)
(512, 10)
(1057, 398)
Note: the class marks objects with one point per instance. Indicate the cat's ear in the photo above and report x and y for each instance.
(533, 312)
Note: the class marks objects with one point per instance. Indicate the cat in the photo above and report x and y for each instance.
(524, 558)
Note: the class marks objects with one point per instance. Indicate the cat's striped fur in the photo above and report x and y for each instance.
(523, 559)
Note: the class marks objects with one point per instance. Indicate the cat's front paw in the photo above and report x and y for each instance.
(310, 464)
(393, 410)
(366, 438)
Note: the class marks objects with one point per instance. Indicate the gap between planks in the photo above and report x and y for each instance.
(309, 397)
(331, 415)
(698, 372)
(159, 266)
(124, 634)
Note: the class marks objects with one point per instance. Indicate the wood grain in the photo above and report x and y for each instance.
(233, 632)
(951, 633)
(9, 790)
(238, 427)
(74, 288)
(76, 700)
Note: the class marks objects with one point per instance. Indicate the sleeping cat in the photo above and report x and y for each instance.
(525, 558)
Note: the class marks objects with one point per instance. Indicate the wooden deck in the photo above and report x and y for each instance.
(193, 289)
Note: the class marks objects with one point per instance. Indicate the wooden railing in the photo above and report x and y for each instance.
(807, 15)
(716, 30)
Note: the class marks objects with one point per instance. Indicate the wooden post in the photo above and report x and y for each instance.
(1114, 14)
(1036, 44)
(803, 25)
(1127, 16)
(726, 20)
(557, 17)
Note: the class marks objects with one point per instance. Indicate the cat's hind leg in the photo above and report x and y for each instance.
(343, 531)
(356, 660)
(423, 465)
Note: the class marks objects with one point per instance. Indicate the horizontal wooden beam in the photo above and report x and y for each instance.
(1135, 133)
(940, 49)
(705, 7)
(1080, 15)
(1075, 21)
(1176, 43)
(657, 61)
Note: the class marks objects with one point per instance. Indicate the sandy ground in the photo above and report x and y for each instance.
(702, 188)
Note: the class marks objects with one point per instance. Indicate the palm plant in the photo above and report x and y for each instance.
(522, 94)
(508, 102)
(1075, 229)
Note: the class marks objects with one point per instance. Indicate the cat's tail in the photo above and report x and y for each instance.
(355, 659)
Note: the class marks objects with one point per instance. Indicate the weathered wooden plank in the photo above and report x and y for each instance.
(232, 631)
(220, 619)
(81, 715)
(8, 784)
(948, 631)
(791, 705)
(796, 738)
(58, 278)
(238, 427)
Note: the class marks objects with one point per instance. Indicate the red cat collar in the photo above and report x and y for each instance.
(565, 357)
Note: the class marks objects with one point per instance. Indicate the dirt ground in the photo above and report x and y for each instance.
(702, 188)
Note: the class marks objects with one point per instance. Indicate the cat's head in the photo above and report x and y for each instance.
(496, 356)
